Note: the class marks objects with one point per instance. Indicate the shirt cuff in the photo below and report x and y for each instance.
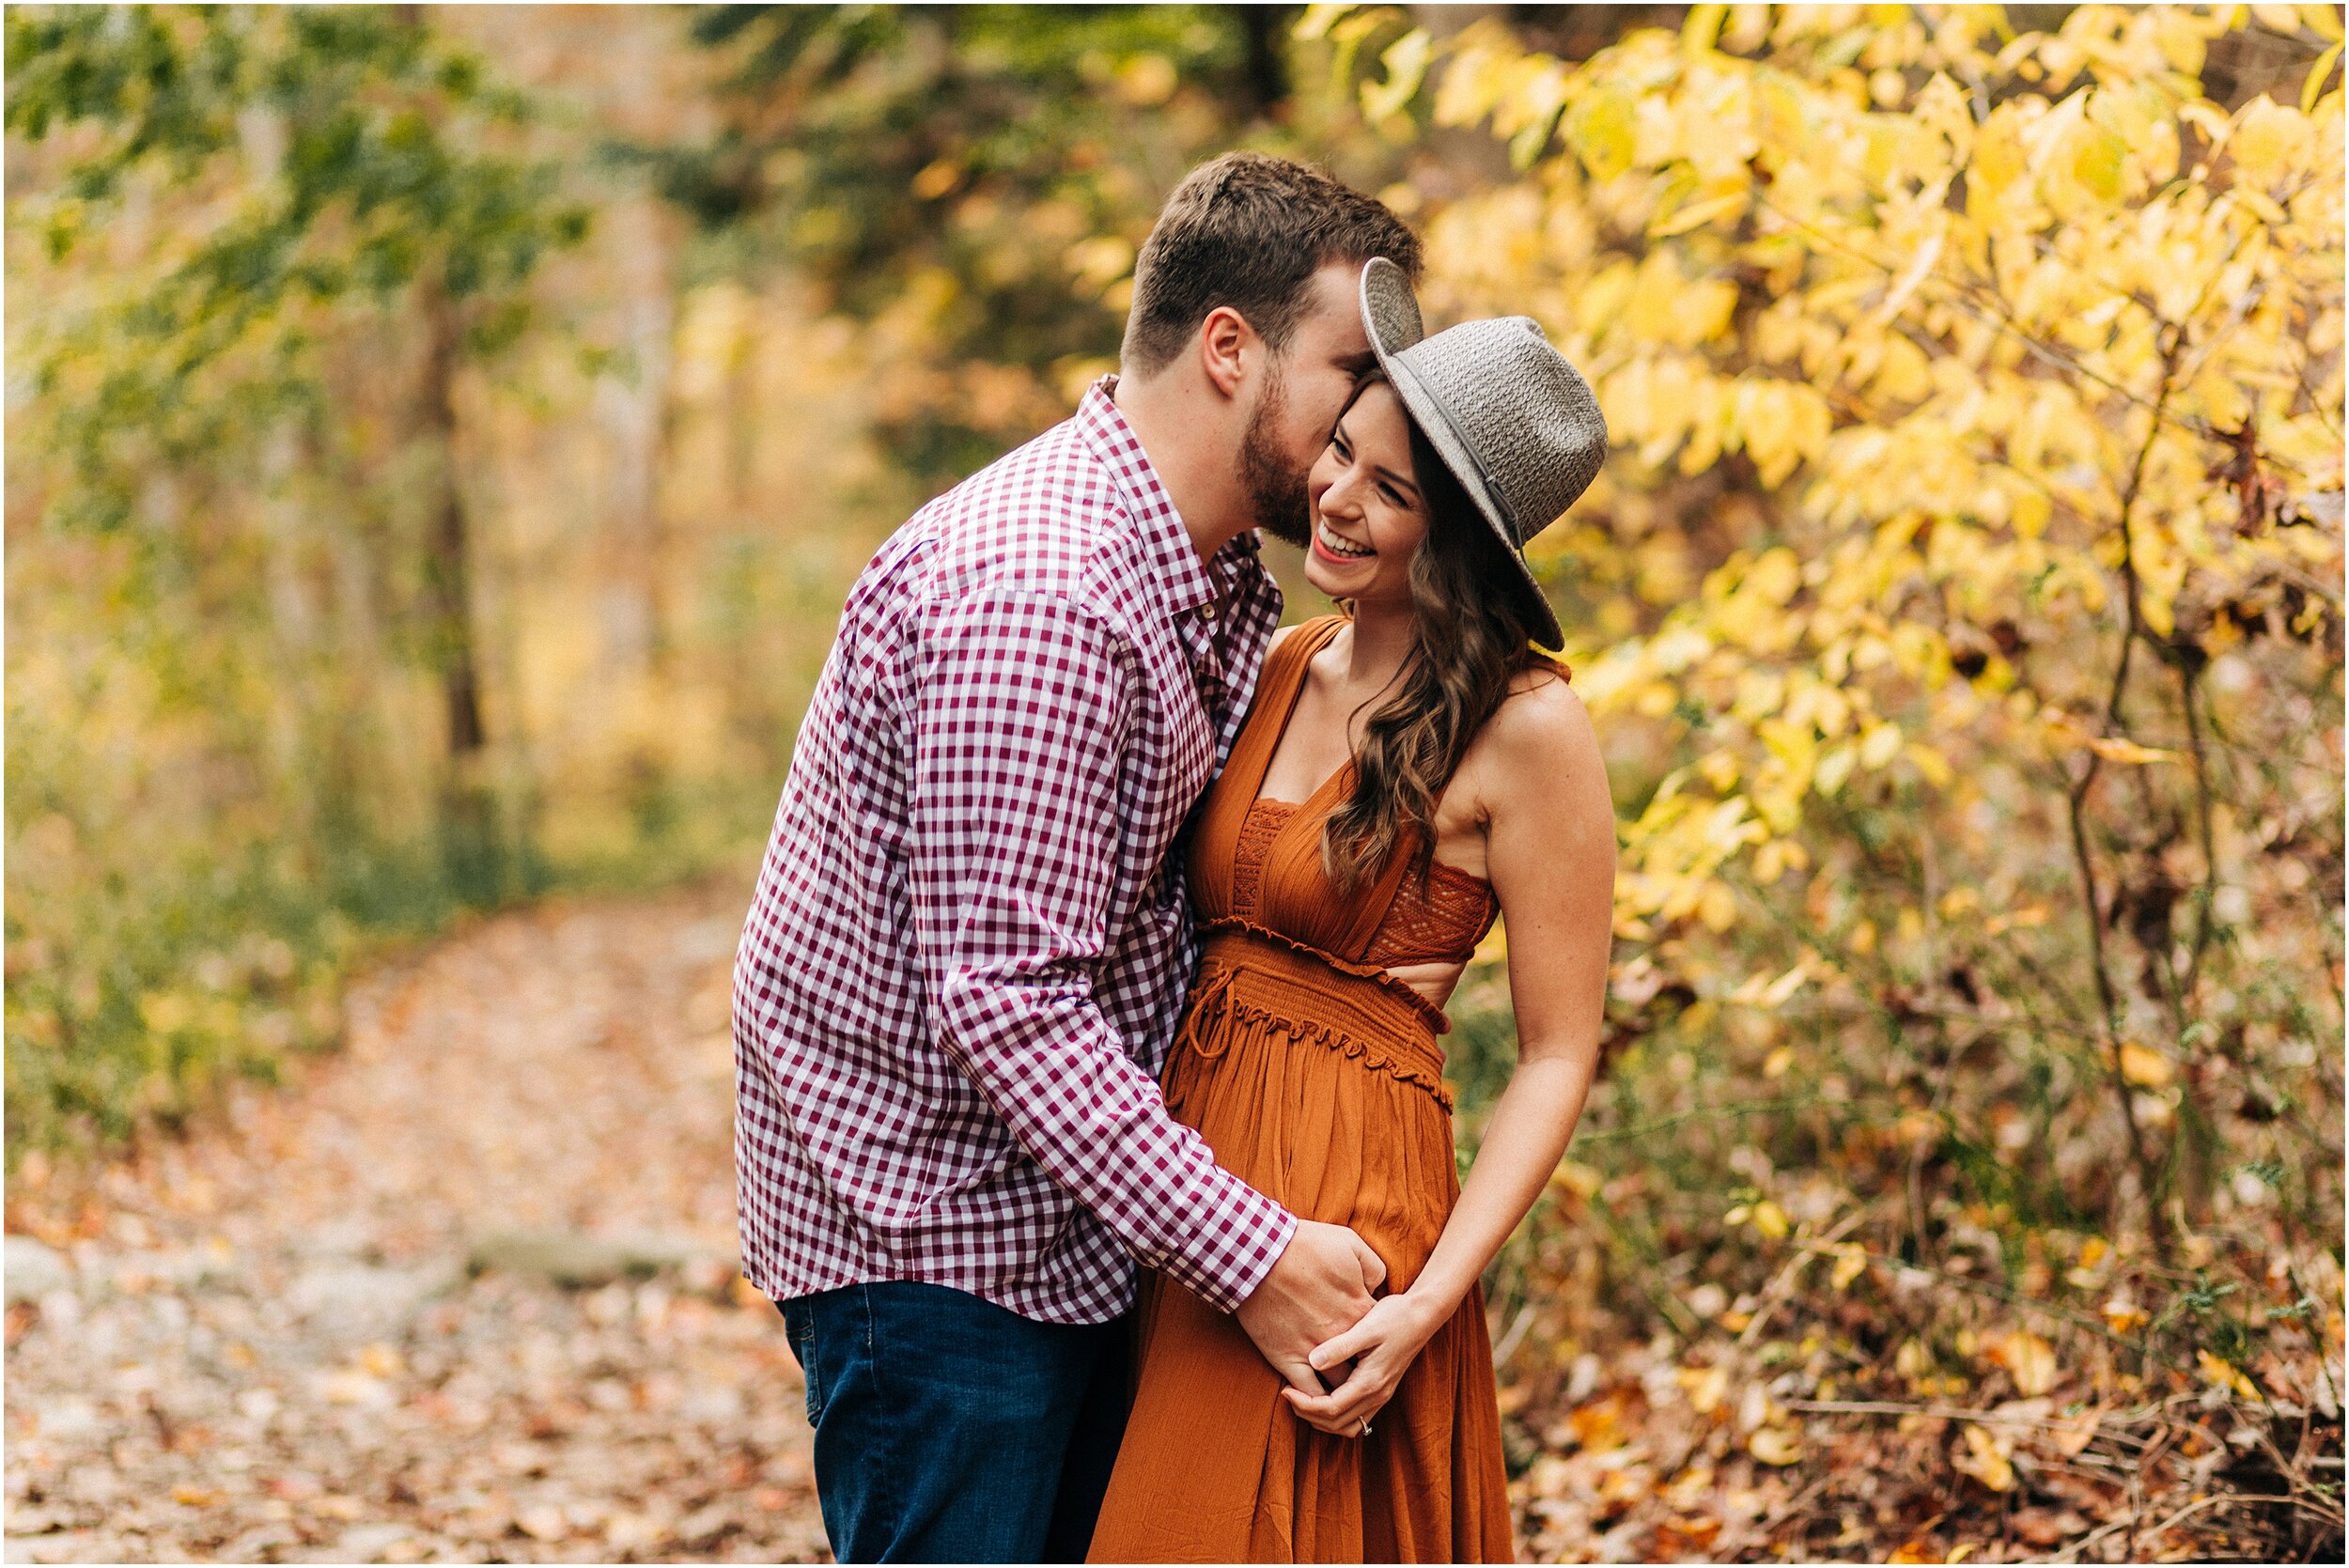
(1242, 1237)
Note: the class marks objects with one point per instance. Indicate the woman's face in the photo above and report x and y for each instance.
(1368, 513)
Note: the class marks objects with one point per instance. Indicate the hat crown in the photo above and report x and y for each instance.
(1513, 420)
(1524, 414)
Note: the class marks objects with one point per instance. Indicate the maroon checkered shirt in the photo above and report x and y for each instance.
(970, 939)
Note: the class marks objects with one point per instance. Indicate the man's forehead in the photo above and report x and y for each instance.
(1337, 310)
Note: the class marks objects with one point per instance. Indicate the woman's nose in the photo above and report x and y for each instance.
(1343, 498)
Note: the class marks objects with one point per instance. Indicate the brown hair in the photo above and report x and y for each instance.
(1471, 636)
(1249, 231)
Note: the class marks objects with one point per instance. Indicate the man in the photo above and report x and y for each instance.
(971, 942)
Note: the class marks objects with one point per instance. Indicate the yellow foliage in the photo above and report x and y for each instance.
(1923, 339)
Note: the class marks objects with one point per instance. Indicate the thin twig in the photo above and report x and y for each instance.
(1944, 1412)
(2205, 895)
(2156, 1223)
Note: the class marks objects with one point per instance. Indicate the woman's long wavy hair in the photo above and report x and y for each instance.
(1471, 636)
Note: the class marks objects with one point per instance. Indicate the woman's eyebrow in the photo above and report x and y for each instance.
(1392, 478)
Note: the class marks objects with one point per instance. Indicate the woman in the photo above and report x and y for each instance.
(1408, 770)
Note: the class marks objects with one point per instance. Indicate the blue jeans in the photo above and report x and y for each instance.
(951, 1430)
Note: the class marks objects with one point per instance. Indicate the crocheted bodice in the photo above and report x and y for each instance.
(1437, 921)
(1255, 864)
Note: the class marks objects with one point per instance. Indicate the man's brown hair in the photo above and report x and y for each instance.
(1249, 231)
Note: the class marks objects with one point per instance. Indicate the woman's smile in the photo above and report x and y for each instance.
(1338, 550)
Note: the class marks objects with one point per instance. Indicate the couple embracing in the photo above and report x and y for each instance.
(1093, 1133)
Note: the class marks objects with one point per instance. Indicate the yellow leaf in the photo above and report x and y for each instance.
(1696, 214)
(1406, 60)
(2124, 1315)
(936, 179)
(1147, 81)
(1930, 762)
(194, 1496)
(2030, 1362)
(1771, 1220)
(2224, 1374)
(1880, 745)
(1850, 1264)
(2145, 1067)
(1703, 29)
(1776, 1445)
(1317, 20)
(1599, 127)
(2118, 749)
(1777, 1064)
(1833, 769)
(2270, 142)
(2097, 161)
(1985, 1463)
(1581, 1180)
(2074, 1435)
(1706, 1387)
(2314, 84)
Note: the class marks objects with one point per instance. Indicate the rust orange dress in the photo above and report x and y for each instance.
(1317, 1077)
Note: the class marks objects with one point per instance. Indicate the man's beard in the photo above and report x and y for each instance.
(1276, 489)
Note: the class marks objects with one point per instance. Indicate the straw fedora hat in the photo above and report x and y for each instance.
(1515, 423)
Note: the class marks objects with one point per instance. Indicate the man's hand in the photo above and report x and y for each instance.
(1379, 1349)
(1318, 1288)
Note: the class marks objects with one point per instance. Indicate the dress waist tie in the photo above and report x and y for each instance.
(1252, 978)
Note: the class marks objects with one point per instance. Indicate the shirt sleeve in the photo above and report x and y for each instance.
(1026, 705)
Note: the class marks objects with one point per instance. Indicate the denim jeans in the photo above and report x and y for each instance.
(951, 1430)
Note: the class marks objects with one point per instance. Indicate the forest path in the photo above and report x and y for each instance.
(466, 1291)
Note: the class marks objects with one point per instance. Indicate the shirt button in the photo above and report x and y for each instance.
(1207, 612)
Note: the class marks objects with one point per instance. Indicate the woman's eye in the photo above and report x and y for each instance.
(1394, 497)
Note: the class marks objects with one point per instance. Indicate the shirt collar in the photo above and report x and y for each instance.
(1184, 582)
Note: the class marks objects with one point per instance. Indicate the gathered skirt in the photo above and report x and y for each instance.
(1321, 1085)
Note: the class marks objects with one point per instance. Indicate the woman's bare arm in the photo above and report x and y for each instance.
(1551, 859)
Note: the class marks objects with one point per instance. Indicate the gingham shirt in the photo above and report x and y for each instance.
(970, 940)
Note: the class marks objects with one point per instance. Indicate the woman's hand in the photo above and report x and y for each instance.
(1381, 1347)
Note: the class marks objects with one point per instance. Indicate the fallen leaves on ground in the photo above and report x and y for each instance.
(329, 1327)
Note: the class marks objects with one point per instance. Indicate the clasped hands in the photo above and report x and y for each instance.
(1317, 1318)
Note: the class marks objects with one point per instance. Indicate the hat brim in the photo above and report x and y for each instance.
(1391, 317)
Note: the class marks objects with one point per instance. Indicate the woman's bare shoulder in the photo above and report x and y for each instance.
(1541, 735)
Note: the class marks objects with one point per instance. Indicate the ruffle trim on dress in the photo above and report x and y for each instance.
(1438, 1022)
(1238, 1013)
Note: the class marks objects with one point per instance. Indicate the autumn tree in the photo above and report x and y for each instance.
(1962, 603)
(974, 180)
(252, 250)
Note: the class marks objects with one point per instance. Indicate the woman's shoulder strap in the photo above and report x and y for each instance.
(1287, 662)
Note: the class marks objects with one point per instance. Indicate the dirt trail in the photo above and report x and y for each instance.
(328, 1327)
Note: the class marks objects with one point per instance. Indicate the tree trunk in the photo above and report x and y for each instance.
(448, 595)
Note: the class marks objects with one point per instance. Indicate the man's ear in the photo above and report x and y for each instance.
(1228, 348)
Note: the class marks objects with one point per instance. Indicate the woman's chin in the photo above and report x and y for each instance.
(1331, 582)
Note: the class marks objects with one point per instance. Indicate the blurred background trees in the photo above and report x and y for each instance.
(441, 439)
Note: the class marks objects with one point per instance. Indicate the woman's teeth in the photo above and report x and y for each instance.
(1336, 545)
